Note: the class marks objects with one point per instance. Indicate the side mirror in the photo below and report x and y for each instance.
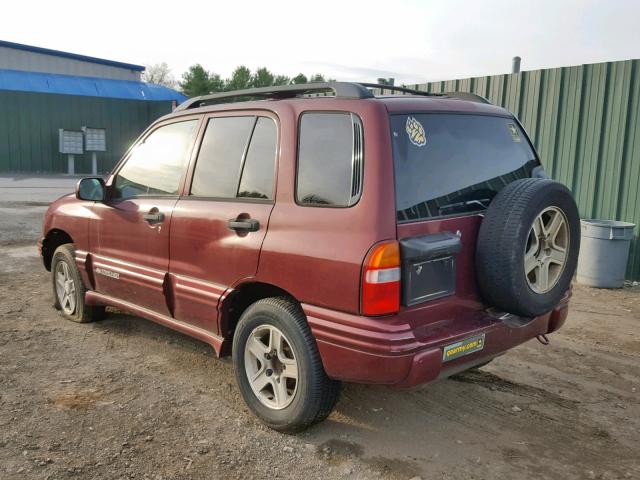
(92, 189)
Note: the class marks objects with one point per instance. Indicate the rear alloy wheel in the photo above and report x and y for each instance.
(278, 366)
(271, 367)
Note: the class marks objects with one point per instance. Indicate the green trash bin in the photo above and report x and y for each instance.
(604, 251)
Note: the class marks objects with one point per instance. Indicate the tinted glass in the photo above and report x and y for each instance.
(220, 158)
(447, 163)
(325, 159)
(259, 166)
(156, 165)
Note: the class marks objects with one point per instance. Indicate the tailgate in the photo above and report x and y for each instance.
(444, 276)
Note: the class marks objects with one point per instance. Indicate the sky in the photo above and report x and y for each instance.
(411, 40)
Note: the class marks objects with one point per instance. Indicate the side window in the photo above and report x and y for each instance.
(236, 159)
(329, 159)
(259, 166)
(220, 157)
(155, 166)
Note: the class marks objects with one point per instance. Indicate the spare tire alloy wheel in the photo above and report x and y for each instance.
(271, 367)
(546, 251)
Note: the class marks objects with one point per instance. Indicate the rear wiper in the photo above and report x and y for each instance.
(466, 203)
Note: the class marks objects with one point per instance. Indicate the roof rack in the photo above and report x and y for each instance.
(468, 96)
(345, 90)
(393, 88)
(340, 89)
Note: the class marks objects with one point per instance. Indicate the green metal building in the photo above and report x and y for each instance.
(585, 124)
(42, 91)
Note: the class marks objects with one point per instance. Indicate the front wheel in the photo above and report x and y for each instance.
(68, 289)
(278, 367)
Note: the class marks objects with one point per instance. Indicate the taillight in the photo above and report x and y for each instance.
(381, 279)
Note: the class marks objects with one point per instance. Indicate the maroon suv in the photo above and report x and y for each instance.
(391, 239)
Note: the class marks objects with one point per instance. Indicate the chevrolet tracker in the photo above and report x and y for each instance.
(322, 238)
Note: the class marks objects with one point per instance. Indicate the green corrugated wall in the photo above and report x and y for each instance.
(585, 124)
(29, 124)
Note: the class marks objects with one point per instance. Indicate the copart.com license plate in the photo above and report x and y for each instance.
(464, 347)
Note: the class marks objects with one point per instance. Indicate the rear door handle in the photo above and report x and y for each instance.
(245, 224)
(154, 216)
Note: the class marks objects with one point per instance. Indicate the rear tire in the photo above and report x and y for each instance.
(273, 333)
(68, 288)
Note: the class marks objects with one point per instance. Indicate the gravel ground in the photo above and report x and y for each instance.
(125, 398)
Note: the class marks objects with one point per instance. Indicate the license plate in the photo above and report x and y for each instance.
(464, 347)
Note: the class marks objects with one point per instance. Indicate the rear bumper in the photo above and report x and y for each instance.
(387, 351)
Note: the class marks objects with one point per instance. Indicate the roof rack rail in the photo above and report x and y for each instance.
(340, 89)
(468, 96)
(393, 88)
(346, 90)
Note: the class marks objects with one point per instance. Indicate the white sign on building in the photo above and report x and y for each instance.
(71, 142)
(95, 139)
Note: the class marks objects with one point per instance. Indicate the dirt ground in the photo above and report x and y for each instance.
(125, 398)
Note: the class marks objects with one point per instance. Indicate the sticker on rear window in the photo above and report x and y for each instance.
(415, 130)
(513, 130)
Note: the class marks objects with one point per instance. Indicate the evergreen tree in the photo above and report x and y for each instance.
(240, 78)
(300, 78)
(195, 81)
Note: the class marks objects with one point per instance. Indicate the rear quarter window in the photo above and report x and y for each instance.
(330, 160)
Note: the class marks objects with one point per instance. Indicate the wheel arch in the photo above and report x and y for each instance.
(234, 305)
(51, 241)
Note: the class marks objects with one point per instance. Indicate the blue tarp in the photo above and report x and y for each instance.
(85, 86)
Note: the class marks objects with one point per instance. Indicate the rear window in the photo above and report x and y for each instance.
(447, 164)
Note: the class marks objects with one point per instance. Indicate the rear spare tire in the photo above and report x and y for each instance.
(527, 248)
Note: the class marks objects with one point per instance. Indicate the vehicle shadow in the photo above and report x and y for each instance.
(469, 422)
(133, 328)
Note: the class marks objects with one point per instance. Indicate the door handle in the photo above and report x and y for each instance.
(245, 224)
(154, 216)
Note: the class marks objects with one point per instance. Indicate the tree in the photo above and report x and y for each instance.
(281, 80)
(159, 74)
(216, 83)
(196, 81)
(240, 79)
(300, 78)
(263, 78)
